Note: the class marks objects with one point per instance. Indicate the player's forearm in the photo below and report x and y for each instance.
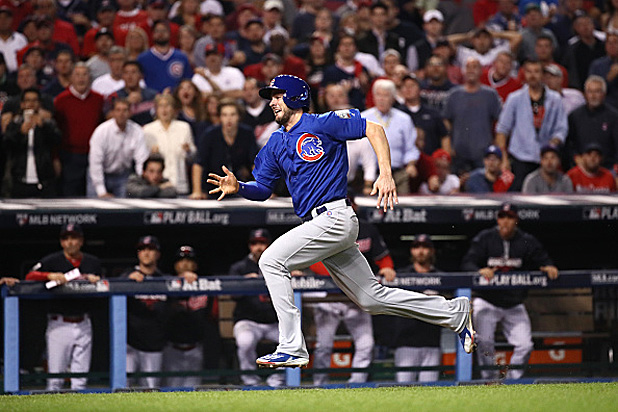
(196, 177)
(377, 137)
(254, 191)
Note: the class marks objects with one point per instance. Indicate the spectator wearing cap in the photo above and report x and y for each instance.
(532, 116)
(580, 54)
(10, 41)
(533, 30)
(417, 343)
(277, 42)
(226, 81)
(116, 145)
(21, 11)
(105, 14)
(424, 118)
(190, 322)
(607, 67)
(69, 330)
(252, 44)
(507, 17)
(589, 176)
(571, 98)
(270, 67)
(108, 83)
(157, 10)
(99, 63)
(594, 122)
(379, 38)
(129, 15)
(272, 15)
(31, 139)
(544, 49)
(151, 183)
(490, 177)
(147, 315)
(483, 48)
(470, 111)
(63, 67)
(548, 178)
(421, 51)
(499, 77)
(448, 183)
(504, 248)
(63, 31)
(400, 133)
(254, 316)
(163, 65)
(78, 112)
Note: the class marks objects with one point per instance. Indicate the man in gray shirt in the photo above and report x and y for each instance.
(548, 178)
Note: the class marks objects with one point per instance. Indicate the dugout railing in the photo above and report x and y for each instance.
(117, 290)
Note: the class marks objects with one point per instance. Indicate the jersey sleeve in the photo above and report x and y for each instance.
(266, 171)
(344, 125)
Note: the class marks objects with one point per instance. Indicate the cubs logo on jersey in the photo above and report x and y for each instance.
(176, 69)
(309, 147)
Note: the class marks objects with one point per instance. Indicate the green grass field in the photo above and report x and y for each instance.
(593, 397)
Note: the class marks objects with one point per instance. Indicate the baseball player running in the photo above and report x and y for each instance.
(309, 151)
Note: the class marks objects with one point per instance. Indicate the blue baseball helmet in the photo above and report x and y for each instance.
(296, 92)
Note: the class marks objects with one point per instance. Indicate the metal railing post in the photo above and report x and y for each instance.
(118, 341)
(11, 343)
(463, 364)
(292, 375)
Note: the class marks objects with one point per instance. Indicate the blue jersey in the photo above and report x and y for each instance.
(164, 70)
(312, 157)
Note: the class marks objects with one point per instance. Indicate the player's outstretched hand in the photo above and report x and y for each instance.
(386, 190)
(226, 185)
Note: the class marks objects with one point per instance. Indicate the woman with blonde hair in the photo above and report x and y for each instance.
(172, 139)
(187, 36)
(135, 43)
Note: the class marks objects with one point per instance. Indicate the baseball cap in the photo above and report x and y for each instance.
(44, 21)
(185, 252)
(553, 70)
(530, 7)
(507, 209)
(214, 48)
(550, 148)
(255, 20)
(157, 4)
(411, 76)
(148, 242)
(272, 57)
(441, 154)
(317, 37)
(273, 4)
(433, 14)
(591, 147)
(7, 10)
(104, 31)
(422, 240)
(107, 5)
(259, 235)
(71, 228)
(493, 150)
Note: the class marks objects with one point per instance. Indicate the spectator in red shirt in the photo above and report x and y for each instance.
(589, 176)
(129, 15)
(498, 76)
(78, 112)
(105, 18)
(157, 10)
(45, 40)
(63, 31)
(20, 9)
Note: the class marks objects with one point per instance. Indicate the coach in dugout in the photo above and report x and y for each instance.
(504, 248)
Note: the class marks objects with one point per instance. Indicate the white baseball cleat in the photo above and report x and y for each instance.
(281, 360)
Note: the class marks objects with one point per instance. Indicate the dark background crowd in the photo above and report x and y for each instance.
(132, 98)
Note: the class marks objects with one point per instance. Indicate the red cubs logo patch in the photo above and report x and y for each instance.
(309, 147)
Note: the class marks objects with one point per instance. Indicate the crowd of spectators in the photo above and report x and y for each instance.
(90, 90)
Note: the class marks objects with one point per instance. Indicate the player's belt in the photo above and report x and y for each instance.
(70, 319)
(184, 346)
(335, 204)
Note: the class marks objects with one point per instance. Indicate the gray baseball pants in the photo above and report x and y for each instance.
(331, 238)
